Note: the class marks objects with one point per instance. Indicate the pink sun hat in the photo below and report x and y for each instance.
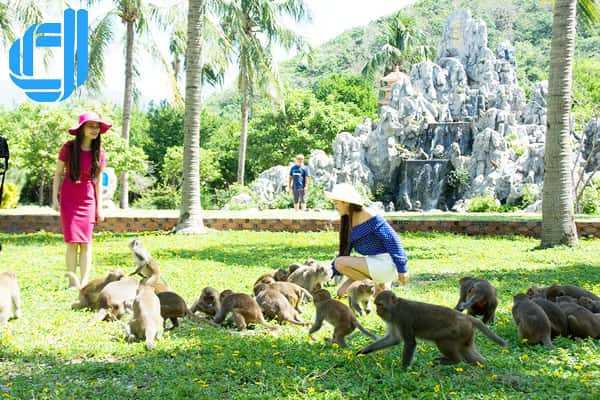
(87, 117)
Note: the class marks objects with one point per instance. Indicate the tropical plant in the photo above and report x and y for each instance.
(253, 27)
(404, 45)
(558, 220)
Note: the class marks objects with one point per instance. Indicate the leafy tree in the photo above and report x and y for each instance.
(348, 89)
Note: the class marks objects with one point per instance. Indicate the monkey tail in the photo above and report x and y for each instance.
(74, 279)
(364, 330)
(487, 331)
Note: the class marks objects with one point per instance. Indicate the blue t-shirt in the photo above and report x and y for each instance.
(299, 174)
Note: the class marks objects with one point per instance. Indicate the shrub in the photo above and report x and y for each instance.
(483, 204)
(10, 196)
(224, 196)
(160, 197)
(590, 200)
(459, 179)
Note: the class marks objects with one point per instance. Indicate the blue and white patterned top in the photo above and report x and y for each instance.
(376, 236)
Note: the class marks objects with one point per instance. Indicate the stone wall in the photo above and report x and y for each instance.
(50, 223)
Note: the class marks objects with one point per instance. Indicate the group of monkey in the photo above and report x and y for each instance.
(541, 314)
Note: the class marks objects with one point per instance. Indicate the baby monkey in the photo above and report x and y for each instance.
(360, 293)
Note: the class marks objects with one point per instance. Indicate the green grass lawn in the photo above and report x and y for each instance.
(53, 352)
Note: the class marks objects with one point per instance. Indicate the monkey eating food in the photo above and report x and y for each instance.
(245, 310)
(274, 305)
(89, 295)
(478, 297)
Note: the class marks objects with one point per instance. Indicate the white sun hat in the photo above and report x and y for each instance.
(345, 192)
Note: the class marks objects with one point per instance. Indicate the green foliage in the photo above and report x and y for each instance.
(316, 200)
(57, 353)
(165, 129)
(348, 89)
(459, 179)
(223, 196)
(586, 91)
(172, 172)
(159, 197)
(590, 199)
(10, 196)
(483, 204)
(530, 195)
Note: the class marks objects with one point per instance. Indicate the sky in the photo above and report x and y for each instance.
(329, 18)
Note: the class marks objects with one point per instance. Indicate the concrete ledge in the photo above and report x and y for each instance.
(28, 220)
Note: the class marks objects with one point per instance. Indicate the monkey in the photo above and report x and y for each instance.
(274, 305)
(265, 278)
(294, 294)
(173, 307)
(569, 290)
(281, 275)
(586, 302)
(90, 293)
(565, 299)
(293, 267)
(310, 277)
(536, 291)
(147, 322)
(360, 293)
(116, 298)
(337, 314)
(582, 322)
(244, 308)
(147, 267)
(207, 303)
(10, 298)
(532, 322)
(224, 294)
(558, 320)
(478, 297)
(450, 330)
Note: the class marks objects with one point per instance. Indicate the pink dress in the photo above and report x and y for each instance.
(78, 199)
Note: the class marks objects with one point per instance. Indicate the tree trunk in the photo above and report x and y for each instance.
(558, 222)
(244, 132)
(190, 217)
(41, 190)
(127, 100)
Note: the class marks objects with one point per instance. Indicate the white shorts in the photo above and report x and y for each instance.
(382, 268)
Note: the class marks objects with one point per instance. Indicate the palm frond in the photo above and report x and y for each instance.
(101, 34)
(588, 12)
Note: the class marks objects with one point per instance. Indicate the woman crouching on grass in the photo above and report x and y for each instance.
(76, 190)
(370, 235)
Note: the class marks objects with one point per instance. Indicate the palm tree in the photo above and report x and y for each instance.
(558, 221)
(136, 15)
(404, 46)
(253, 27)
(19, 13)
(190, 218)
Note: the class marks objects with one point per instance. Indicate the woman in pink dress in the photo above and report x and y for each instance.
(76, 190)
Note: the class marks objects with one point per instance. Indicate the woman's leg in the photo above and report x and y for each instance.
(85, 261)
(71, 260)
(355, 268)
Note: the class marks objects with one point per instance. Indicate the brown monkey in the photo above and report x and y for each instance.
(586, 302)
(207, 303)
(558, 320)
(569, 290)
(146, 323)
(294, 294)
(293, 267)
(337, 314)
(274, 305)
(450, 330)
(309, 277)
(90, 293)
(582, 322)
(244, 308)
(533, 323)
(10, 298)
(224, 294)
(478, 297)
(536, 291)
(360, 293)
(281, 275)
(265, 278)
(173, 307)
(147, 268)
(116, 298)
(565, 299)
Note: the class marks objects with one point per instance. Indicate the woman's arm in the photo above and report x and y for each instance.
(59, 174)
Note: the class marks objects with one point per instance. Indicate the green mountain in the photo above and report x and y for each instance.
(526, 23)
